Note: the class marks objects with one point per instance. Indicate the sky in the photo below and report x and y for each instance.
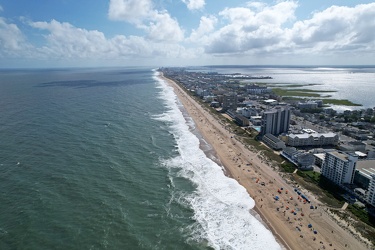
(95, 33)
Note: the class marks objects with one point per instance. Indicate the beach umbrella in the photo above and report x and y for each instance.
(309, 226)
(315, 232)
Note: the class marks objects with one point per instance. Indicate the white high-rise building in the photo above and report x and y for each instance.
(339, 167)
(370, 196)
(275, 121)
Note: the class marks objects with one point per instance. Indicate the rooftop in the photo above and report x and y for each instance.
(316, 135)
(365, 164)
(340, 155)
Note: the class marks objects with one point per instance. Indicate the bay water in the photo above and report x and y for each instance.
(353, 83)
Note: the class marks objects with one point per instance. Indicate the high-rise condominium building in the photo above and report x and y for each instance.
(339, 167)
(275, 121)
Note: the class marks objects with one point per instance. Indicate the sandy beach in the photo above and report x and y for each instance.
(296, 224)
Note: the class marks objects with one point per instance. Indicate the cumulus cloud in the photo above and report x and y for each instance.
(133, 11)
(254, 29)
(194, 4)
(67, 41)
(271, 30)
(336, 28)
(206, 26)
(12, 41)
(164, 28)
(251, 28)
(159, 24)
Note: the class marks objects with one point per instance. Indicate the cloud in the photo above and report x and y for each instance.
(194, 4)
(133, 11)
(65, 41)
(164, 28)
(337, 28)
(69, 41)
(12, 41)
(159, 25)
(256, 30)
(251, 28)
(206, 26)
(272, 30)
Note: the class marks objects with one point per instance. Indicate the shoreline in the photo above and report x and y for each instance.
(290, 230)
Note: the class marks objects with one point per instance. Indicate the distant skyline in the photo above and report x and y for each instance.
(71, 33)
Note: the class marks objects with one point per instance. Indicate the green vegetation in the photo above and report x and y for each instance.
(272, 156)
(312, 111)
(316, 184)
(252, 142)
(311, 176)
(331, 190)
(288, 167)
(298, 94)
(293, 92)
(362, 214)
(312, 90)
(326, 101)
(366, 222)
(340, 102)
(293, 85)
(283, 85)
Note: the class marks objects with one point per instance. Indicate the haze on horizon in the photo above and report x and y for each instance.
(70, 33)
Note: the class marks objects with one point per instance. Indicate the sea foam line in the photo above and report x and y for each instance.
(221, 206)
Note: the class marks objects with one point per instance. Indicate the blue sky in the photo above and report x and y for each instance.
(86, 33)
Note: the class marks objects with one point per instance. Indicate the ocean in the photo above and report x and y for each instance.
(107, 158)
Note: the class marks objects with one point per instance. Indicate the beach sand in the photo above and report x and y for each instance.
(246, 166)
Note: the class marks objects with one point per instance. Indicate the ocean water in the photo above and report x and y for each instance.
(108, 159)
(354, 83)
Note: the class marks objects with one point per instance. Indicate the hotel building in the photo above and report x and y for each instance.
(339, 167)
(275, 121)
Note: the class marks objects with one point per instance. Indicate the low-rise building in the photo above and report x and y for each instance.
(273, 142)
(248, 112)
(313, 139)
(305, 161)
(241, 120)
(353, 146)
(307, 105)
(215, 104)
(256, 120)
(257, 90)
(302, 160)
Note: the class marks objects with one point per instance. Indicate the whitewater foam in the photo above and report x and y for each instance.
(221, 206)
